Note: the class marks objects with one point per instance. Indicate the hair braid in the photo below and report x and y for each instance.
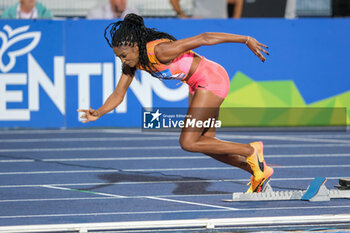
(131, 31)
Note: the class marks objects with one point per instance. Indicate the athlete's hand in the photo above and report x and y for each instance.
(257, 48)
(89, 115)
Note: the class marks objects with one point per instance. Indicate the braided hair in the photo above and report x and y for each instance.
(131, 31)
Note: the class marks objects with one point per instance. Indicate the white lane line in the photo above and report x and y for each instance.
(283, 138)
(137, 131)
(163, 158)
(97, 193)
(296, 207)
(308, 155)
(230, 168)
(57, 199)
(103, 159)
(92, 148)
(169, 169)
(58, 172)
(172, 211)
(326, 136)
(100, 159)
(190, 203)
(126, 158)
(103, 139)
(146, 197)
(157, 138)
(106, 198)
(297, 146)
(163, 182)
(110, 213)
(17, 161)
(64, 131)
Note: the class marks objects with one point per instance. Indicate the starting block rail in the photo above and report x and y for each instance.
(317, 191)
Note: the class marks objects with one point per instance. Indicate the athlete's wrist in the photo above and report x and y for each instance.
(247, 40)
(98, 114)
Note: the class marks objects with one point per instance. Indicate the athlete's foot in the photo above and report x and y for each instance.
(253, 184)
(260, 185)
(263, 185)
(261, 172)
(257, 186)
(256, 160)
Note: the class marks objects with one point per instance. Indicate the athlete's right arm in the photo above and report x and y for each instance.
(114, 99)
(168, 51)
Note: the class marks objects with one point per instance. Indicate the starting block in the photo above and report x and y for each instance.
(317, 191)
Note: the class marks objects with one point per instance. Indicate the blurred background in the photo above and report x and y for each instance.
(163, 8)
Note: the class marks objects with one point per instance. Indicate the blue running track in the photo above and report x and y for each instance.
(54, 177)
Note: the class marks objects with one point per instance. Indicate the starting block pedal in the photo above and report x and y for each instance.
(344, 184)
(315, 188)
(317, 191)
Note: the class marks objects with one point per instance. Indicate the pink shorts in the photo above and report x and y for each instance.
(210, 76)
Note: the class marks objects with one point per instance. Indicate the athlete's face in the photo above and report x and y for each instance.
(128, 54)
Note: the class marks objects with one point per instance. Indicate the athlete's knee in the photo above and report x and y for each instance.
(188, 145)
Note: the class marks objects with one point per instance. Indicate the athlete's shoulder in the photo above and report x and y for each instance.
(153, 43)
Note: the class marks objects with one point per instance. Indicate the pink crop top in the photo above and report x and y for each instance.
(179, 67)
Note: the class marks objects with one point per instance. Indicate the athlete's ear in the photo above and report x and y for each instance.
(136, 48)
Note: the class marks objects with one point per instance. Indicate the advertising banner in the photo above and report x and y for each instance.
(49, 69)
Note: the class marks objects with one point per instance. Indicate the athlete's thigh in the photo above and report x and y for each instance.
(204, 106)
(190, 98)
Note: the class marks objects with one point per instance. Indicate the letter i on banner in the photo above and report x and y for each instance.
(83, 71)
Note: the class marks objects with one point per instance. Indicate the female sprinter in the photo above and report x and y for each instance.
(164, 57)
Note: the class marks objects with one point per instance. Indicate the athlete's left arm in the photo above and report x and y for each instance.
(167, 51)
